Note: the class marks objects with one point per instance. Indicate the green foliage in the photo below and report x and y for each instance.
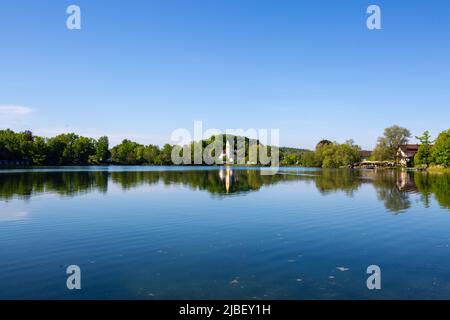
(309, 159)
(72, 149)
(40, 151)
(337, 155)
(68, 149)
(437, 154)
(166, 154)
(129, 152)
(291, 156)
(440, 152)
(290, 159)
(323, 143)
(64, 149)
(327, 155)
(83, 149)
(151, 155)
(423, 155)
(381, 153)
(11, 145)
(102, 153)
(388, 144)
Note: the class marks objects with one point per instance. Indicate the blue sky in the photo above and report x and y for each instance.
(141, 69)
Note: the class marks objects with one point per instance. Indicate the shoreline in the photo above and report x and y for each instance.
(432, 170)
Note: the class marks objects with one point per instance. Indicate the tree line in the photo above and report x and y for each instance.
(327, 154)
(73, 149)
(64, 149)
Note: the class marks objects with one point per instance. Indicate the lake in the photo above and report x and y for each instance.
(223, 233)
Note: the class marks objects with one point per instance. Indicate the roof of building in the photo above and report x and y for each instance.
(410, 149)
(365, 153)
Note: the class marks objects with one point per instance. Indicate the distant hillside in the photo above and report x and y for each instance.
(230, 138)
(285, 150)
(291, 150)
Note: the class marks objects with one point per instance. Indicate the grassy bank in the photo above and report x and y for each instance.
(438, 169)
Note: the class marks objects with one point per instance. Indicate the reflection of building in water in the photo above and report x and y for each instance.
(405, 182)
(227, 176)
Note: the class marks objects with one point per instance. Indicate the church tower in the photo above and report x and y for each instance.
(228, 153)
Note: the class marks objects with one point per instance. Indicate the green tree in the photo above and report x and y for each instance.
(340, 155)
(166, 154)
(440, 151)
(67, 149)
(423, 155)
(9, 145)
(40, 151)
(25, 140)
(16, 146)
(126, 152)
(102, 153)
(83, 149)
(151, 153)
(61, 149)
(335, 155)
(68, 141)
(388, 144)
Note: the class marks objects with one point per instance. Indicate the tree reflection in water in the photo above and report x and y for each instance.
(393, 187)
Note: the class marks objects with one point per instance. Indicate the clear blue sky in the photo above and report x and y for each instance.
(141, 69)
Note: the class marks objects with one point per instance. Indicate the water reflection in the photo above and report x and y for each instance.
(226, 175)
(393, 187)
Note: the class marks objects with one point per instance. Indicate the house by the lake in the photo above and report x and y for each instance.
(405, 154)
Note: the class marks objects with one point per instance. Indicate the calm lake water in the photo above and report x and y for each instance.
(217, 233)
